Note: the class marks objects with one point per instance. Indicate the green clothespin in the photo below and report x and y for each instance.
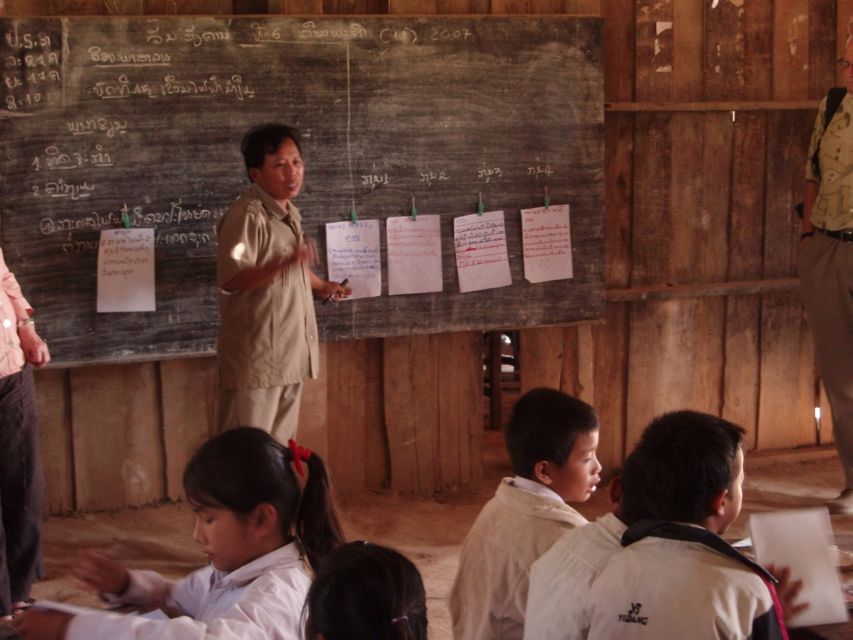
(547, 198)
(353, 216)
(414, 210)
(480, 206)
(125, 219)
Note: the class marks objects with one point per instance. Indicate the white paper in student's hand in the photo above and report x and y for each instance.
(414, 254)
(352, 253)
(547, 243)
(801, 539)
(126, 270)
(481, 255)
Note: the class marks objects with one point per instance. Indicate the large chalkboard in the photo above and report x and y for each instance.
(105, 116)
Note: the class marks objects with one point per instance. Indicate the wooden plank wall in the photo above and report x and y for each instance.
(710, 107)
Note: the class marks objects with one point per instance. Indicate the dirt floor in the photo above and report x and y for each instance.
(430, 532)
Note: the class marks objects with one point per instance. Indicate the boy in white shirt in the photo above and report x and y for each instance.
(561, 578)
(551, 438)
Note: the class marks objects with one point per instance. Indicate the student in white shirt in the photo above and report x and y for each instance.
(365, 591)
(257, 527)
(676, 577)
(561, 578)
(551, 438)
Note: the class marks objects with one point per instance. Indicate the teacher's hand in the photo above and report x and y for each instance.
(35, 349)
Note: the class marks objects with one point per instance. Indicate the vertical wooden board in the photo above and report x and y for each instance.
(681, 204)
(687, 50)
(654, 51)
(619, 48)
(189, 397)
(460, 428)
(737, 50)
(787, 390)
(541, 357)
(746, 223)
(791, 50)
(519, 7)
(54, 419)
(16, 8)
(618, 193)
(412, 7)
(823, 51)
(583, 7)
(355, 7)
(675, 359)
(346, 414)
(463, 6)
(843, 34)
(301, 7)
(377, 471)
(411, 412)
(826, 435)
(116, 426)
(610, 342)
(741, 359)
(650, 232)
(187, 7)
(584, 386)
(787, 149)
(314, 410)
(701, 184)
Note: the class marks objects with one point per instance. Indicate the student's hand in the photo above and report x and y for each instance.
(35, 349)
(788, 591)
(42, 624)
(99, 571)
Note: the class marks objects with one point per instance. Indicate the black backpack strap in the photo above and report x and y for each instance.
(833, 101)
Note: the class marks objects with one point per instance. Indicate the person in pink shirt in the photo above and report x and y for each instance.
(21, 484)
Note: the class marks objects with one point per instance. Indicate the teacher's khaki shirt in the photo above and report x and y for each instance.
(267, 335)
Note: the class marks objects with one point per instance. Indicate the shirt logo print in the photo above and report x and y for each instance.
(633, 616)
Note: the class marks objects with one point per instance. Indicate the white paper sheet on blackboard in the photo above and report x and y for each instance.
(352, 253)
(126, 271)
(547, 243)
(414, 254)
(802, 540)
(481, 255)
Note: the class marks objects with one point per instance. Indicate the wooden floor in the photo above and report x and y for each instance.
(430, 532)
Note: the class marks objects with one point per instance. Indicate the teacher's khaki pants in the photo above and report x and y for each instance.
(826, 278)
(274, 409)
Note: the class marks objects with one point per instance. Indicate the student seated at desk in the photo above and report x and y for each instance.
(552, 439)
(258, 526)
(676, 577)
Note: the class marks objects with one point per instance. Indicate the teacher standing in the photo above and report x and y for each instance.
(21, 482)
(268, 342)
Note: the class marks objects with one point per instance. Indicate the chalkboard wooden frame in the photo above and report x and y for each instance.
(105, 116)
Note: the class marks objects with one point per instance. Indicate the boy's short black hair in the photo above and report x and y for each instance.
(684, 459)
(631, 506)
(265, 139)
(544, 426)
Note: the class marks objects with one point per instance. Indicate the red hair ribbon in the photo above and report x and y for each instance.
(298, 454)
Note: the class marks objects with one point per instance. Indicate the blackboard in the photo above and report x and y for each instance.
(105, 116)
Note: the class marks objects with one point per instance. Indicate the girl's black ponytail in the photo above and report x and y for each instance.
(316, 524)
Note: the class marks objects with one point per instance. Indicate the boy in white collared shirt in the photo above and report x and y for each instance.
(551, 438)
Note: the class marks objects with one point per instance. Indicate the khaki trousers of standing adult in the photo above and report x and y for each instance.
(826, 278)
(273, 409)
